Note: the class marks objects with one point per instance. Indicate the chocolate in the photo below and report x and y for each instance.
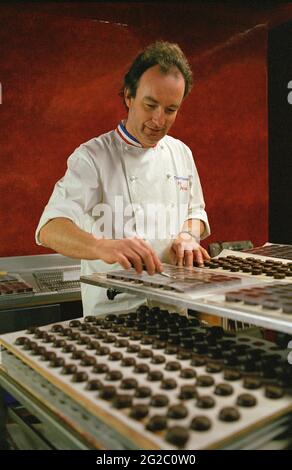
(94, 384)
(156, 423)
(177, 411)
(143, 392)
(115, 356)
(205, 402)
(246, 400)
(168, 384)
(108, 392)
(80, 376)
(223, 389)
(122, 401)
(231, 375)
(88, 361)
(204, 381)
(188, 373)
(273, 391)
(145, 353)
(100, 368)
(129, 383)
(69, 369)
(229, 414)
(201, 423)
(128, 362)
(114, 375)
(177, 436)
(172, 366)
(139, 411)
(141, 368)
(188, 392)
(154, 376)
(252, 383)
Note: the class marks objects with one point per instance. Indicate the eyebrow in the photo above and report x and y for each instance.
(149, 98)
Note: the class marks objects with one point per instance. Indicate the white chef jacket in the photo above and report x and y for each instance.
(107, 169)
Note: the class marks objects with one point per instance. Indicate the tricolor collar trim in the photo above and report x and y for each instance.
(126, 136)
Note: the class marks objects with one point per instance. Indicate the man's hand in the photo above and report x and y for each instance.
(129, 252)
(185, 251)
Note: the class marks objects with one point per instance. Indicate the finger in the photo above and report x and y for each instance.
(124, 262)
(205, 254)
(188, 257)
(179, 254)
(136, 261)
(198, 257)
(150, 258)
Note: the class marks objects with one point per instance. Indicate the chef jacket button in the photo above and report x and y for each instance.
(133, 178)
(168, 176)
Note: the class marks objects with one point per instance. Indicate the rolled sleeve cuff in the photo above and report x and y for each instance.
(201, 215)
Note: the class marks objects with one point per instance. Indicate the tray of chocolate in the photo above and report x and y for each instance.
(181, 279)
(13, 284)
(163, 380)
(273, 251)
(243, 264)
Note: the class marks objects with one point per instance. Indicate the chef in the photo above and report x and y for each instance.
(132, 196)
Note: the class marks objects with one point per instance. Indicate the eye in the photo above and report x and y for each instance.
(170, 110)
(151, 106)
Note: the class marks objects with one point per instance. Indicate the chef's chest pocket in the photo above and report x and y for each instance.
(171, 189)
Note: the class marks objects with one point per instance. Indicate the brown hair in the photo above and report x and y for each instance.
(165, 54)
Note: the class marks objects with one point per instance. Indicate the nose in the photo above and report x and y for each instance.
(158, 117)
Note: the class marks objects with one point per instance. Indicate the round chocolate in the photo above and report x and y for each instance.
(88, 361)
(229, 414)
(246, 400)
(183, 355)
(114, 375)
(172, 366)
(141, 368)
(177, 436)
(252, 383)
(21, 340)
(198, 361)
(204, 381)
(145, 353)
(79, 354)
(273, 391)
(205, 402)
(103, 351)
(139, 411)
(100, 368)
(223, 389)
(128, 362)
(159, 400)
(108, 392)
(171, 350)
(188, 373)
(56, 328)
(74, 323)
(156, 423)
(158, 359)
(121, 343)
(115, 356)
(69, 369)
(201, 423)
(128, 384)
(154, 375)
(49, 355)
(177, 411)
(80, 376)
(188, 392)
(69, 348)
(122, 401)
(133, 348)
(213, 367)
(143, 392)
(231, 375)
(57, 362)
(94, 384)
(168, 384)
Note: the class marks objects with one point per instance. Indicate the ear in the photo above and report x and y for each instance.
(127, 97)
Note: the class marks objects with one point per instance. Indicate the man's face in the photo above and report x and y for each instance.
(154, 108)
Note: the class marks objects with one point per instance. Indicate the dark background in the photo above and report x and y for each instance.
(61, 67)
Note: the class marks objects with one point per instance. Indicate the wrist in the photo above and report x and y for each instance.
(188, 235)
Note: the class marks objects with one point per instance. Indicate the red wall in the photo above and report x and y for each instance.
(61, 66)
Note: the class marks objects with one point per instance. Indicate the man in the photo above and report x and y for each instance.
(132, 196)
